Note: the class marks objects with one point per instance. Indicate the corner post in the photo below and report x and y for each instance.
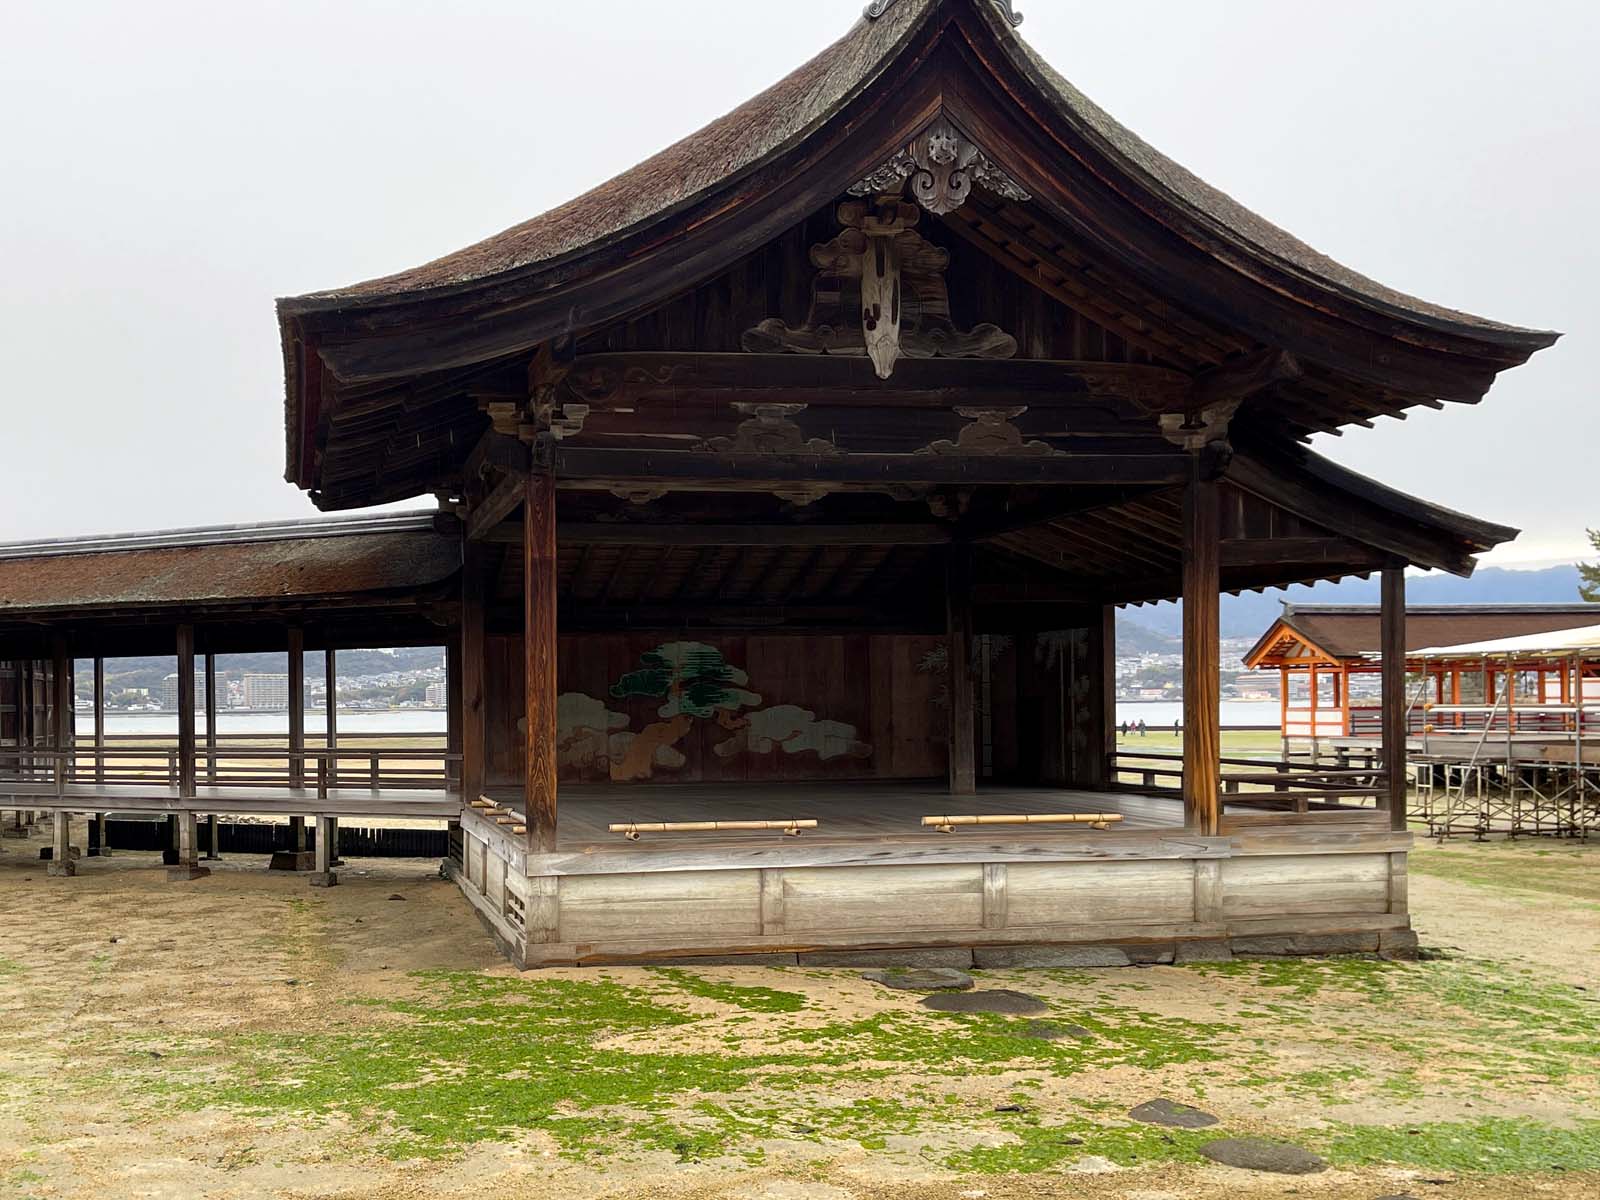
(62, 707)
(473, 650)
(213, 848)
(959, 631)
(297, 710)
(327, 853)
(1393, 636)
(186, 738)
(1202, 652)
(100, 721)
(1100, 769)
(187, 865)
(539, 640)
(211, 717)
(61, 845)
(330, 675)
(452, 708)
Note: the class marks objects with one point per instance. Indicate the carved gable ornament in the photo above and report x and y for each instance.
(942, 164)
(878, 7)
(880, 291)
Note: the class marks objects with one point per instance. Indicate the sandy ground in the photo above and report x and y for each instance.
(117, 967)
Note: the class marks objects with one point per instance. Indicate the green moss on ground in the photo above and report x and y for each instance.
(604, 1067)
(1484, 1147)
(755, 999)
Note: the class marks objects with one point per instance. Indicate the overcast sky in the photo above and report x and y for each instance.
(170, 168)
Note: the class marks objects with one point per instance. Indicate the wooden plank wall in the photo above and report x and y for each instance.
(1043, 691)
(874, 701)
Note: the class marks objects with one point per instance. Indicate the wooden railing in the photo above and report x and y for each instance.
(1275, 785)
(238, 761)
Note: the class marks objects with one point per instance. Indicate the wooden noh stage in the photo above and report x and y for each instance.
(796, 475)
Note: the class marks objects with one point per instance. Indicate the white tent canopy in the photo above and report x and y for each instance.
(1561, 644)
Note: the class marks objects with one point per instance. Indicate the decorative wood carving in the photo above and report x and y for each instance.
(802, 495)
(942, 164)
(771, 430)
(880, 291)
(639, 496)
(878, 7)
(991, 432)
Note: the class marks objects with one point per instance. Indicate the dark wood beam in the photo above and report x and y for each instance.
(582, 468)
(486, 515)
(611, 381)
(573, 533)
(1241, 378)
(1264, 552)
(1317, 502)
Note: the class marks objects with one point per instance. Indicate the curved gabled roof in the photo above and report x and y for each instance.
(796, 105)
(693, 210)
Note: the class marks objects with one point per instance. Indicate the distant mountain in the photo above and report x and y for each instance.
(1133, 637)
(1250, 614)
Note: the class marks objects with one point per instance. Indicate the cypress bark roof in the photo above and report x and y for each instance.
(802, 101)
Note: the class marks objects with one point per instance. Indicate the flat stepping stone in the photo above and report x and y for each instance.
(993, 1000)
(920, 979)
(1172, 1115)
(1259, 1154)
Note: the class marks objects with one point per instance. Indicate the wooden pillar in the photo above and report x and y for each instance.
(1393, 638)
(1283, 709)
(452, 707)
(61, 705)
(213, 850)
(211, 719)
(1098, 772)
(1344, 698)
(330, 675)
(963, 772)
(297, 708)
(1202, 655)
(327, 852)
(213, 837)
(186, 738)
(539, 642)
(61, 846)
(100, 723)
(474, 601)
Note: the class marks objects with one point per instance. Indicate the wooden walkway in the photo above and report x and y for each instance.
(241, 801)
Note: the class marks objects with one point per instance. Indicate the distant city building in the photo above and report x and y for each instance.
(267, 693)
(169, 693)
(433, 697)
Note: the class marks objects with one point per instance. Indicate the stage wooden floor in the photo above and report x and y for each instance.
(844, 811)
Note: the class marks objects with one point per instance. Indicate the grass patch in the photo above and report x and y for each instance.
(1046, 1147)
(483, 1058)
(1567, 872)
(753, 999)
(1499, 1147)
